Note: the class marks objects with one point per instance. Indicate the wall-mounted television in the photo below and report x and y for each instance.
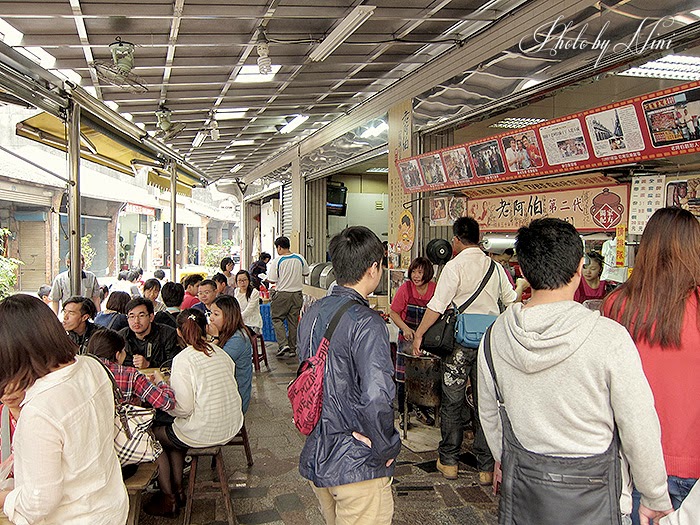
(336, 197)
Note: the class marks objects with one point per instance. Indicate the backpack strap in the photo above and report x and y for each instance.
(323, 346)
(489, 362)
(485, 280)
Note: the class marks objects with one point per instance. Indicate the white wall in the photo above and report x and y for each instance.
(362, 212)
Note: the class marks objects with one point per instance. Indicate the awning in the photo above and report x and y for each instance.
(162, 181)
(98, 145)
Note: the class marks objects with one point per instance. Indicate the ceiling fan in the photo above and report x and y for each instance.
(166, 128)
(119, 72)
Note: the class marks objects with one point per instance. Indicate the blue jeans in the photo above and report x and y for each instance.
(678, 489)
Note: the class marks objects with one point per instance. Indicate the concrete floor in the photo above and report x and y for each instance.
(272, 492)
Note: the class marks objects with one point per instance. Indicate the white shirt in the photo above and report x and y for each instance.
(60, 290)
(66, 469)
(207, 404)
(250, 308)
(288, 272)
(461, 277)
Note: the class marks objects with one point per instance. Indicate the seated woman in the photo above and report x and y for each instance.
(9, 413)
(66, 470)
(227, 328)
(114, 315)
(249, 300)
(207, 413)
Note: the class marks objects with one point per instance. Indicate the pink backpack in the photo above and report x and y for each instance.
(305, 393)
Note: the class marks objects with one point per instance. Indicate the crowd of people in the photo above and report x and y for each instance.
(603, 397)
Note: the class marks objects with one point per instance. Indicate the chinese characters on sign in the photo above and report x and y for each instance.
(647, 196)
(599, 208)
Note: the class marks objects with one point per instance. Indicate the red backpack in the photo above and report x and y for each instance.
(305, 393)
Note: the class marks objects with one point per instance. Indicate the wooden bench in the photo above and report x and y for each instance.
(214, 452)
(3, 519)
(135, 487)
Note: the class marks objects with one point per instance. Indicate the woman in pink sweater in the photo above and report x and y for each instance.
(659, 307)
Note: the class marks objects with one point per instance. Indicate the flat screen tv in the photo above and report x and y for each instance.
(336, 196)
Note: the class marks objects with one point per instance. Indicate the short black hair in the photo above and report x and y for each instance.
(172, 294)
(192, 279)
(106, 344)
(122, 276)
(132, 276)
(225, 262)
(282, 242)
(219, 278)
(264, 256)
(208, 282)
(87, 306)
(44, 291)
(138, 301)
(466, 229)
(353, 251)
(117, 302)
(549, 253)
(151, 283)
(159, 274)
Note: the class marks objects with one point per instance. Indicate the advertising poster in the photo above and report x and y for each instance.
(673, 119)
(433, 173)
(457, 165)
(410, 174)
(614, 131)
(157, 244)
(684, 194)
(444, 211)
(646, 196)
(588, 209)
(564, 142)
(486, 159)
(522, 151)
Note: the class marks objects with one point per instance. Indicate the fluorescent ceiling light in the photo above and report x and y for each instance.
(69, 74)
(199, 138)
(517, 122)
(10, 35)
(529, 83)
(340, 34)
(241, 142)
(672, 67)
(227, 157)
(236, 168)
(38, 56)
(251, 74)
(127, 116)
(378, 170)
(294, 124)
(230, 113)
(112, 105)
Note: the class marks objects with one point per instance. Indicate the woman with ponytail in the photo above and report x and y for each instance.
(207, 411)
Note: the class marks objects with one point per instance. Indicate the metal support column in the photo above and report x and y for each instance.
(75, 269)
(173, 221)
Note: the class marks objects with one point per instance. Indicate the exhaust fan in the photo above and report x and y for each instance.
(166, 128)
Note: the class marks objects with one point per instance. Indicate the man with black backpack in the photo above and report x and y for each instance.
(571, 398)
(349, 455)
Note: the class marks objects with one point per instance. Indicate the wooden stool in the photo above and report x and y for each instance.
(259, 351)
(215, 452)
(135, 486)
(242, 439)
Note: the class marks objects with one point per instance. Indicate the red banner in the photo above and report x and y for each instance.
(656, 125)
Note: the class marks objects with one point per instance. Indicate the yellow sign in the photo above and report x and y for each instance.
(593, 209)
(407, 232)
(620, 236)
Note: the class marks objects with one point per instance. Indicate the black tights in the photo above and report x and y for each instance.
(170, 463)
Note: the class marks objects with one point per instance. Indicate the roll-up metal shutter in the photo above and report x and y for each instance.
(287, 209)
(316, 227)
(32, 251)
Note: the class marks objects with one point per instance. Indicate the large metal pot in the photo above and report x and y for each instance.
(315, 273)
(423, 380)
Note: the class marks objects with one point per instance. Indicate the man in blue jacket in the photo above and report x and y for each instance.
(349, 456)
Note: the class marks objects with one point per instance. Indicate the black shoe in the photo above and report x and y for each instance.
(282, 351)
(291, 353)
(425, 418)
(164, 505)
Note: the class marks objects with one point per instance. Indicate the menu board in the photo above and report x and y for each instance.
(588, 209)
(647, 196)
(656, 125)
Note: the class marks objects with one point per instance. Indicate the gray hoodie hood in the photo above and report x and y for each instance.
(545, 335)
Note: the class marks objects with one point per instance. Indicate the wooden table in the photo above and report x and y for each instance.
(3, 519)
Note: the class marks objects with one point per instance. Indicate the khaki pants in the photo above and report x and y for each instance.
(369, 502)
(286, 306)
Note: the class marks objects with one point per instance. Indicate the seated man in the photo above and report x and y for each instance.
(206, 294)
(191, 284)
(172, 295)
(78, 313)
(151, 290)
(222, 286)
(148, 344)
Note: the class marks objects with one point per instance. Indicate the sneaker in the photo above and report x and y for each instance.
(425, 418)
(485, 478)
(282, 351)
(448, 471)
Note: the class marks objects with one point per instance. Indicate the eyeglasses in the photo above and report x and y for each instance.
(141, 316)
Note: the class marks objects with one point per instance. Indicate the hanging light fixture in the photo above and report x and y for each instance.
(214, 130)
(340, 34)
(264, 60)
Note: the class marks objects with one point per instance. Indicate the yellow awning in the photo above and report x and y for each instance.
(162, 181)
(96, 147)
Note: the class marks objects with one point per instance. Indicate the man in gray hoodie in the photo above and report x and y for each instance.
(568, 375)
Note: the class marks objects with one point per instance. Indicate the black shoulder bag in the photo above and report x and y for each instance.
(439, 339)
(551, 490)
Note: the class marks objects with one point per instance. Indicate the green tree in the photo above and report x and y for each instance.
(8, 266)
(87, 251)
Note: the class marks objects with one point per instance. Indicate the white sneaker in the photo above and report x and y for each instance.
(282, 351)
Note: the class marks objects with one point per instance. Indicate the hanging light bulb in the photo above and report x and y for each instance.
(214, 127)
(264, 61)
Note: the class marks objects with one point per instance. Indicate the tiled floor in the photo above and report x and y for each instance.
(272, 492)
